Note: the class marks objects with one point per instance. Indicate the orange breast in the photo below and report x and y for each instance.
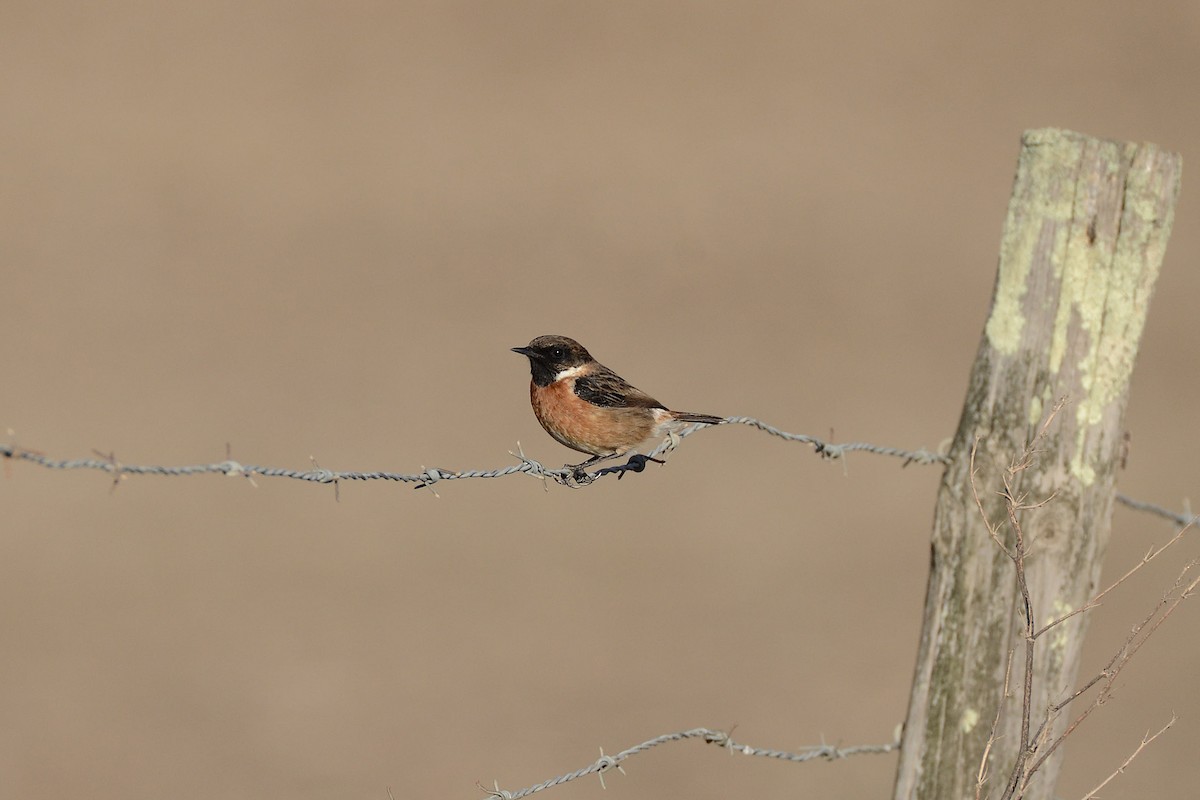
(596, 430)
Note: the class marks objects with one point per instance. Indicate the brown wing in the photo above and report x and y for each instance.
(603, 387)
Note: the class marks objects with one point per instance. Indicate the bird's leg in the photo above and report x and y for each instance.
(579, 471)
(636, 462)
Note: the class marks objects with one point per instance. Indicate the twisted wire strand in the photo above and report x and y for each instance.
(107, 462)
(428, 476)
(710, 736)
(1181, 519)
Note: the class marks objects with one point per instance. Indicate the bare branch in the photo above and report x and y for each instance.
(982, 776)
(1179, 591)
(1095, 601)
(993, 529)
(1146, 740)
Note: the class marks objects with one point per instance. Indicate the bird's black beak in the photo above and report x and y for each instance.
(528, 352)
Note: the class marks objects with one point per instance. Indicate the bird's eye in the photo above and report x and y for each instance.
(558, 353)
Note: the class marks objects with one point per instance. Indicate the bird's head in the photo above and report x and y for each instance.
(553, 357)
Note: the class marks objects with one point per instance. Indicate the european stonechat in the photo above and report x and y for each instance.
(588, 407)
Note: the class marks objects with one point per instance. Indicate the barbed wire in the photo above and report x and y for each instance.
(108, 462)
(710, 736)
(1181, 519)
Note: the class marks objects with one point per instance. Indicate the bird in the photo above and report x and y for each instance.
(588, 407)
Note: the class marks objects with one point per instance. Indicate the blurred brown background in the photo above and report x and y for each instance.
(316, 229)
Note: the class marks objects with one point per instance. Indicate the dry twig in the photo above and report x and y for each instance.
(1039, 745)
(1146, 740)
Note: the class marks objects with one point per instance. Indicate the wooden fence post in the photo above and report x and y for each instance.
(1087, 227)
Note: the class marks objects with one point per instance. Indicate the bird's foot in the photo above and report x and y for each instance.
(636, 463)
(578, 476)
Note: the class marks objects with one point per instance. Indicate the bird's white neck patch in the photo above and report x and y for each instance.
(569, 372)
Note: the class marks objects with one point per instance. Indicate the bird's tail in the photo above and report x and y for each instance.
(703, 419)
